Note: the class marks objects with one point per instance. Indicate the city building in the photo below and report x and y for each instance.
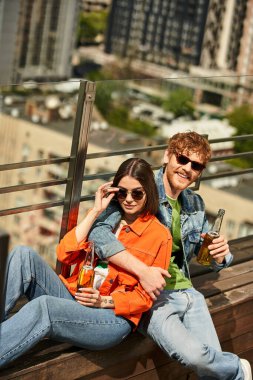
(223, 32)
(37, 38)
(95, 5)
(161, 31)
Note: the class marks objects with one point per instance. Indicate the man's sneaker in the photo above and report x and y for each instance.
(246, 369)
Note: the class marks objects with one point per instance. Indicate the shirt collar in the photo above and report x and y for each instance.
(140, 224)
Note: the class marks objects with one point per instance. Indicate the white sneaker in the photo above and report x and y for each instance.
(246, 369)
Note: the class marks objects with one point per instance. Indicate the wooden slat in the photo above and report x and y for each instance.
(229, 278)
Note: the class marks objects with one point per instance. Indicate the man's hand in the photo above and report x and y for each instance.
(152, 280)
(218, 249)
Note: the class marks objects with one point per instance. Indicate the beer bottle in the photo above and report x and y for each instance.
(86, 274)
(204, 256)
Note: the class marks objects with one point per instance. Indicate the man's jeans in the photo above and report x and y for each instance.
(52, 311)
(180, 323)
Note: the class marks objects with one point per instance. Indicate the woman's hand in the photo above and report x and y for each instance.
(103, 197)
(91, 297)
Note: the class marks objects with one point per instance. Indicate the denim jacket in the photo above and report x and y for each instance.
(193, 223)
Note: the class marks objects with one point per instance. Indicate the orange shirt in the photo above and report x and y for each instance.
(148, 240)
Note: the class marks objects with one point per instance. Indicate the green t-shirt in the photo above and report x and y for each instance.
(178, 279)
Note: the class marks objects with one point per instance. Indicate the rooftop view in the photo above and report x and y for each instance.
(97, 90)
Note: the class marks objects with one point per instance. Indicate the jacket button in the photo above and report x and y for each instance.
(127, 229)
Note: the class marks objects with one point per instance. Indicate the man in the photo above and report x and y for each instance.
(179, 321)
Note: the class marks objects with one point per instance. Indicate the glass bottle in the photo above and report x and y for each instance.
(204, 257)
(86, 274)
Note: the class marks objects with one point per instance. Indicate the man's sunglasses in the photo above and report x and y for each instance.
(183, 160)
(136, 194)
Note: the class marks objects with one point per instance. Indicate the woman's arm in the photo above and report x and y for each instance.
(68, 250)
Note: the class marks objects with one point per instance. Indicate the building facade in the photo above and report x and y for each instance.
(37, 38)
(168, 32)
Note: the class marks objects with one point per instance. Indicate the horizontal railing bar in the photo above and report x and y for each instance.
(231, 156)
(38, 206)
(205, 178)
(226, 174)
(23, 187)
(30, 186)
(231, 138)
(90, 177)
(41, 206)
(159, 147)
(126, 151)
(28, 164)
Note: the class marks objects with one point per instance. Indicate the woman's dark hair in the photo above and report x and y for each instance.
(142, 172)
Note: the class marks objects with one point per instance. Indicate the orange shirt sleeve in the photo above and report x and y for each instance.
(68, 250)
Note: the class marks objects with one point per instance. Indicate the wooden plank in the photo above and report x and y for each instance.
(234, 328)
(232, 297)
(230, 278)
(233, 311)
(240, 344)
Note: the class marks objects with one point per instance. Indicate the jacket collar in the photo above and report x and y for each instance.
(140, 224)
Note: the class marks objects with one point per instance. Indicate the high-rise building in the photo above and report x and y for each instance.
(36, 39)
(223, 32)
(168, 32)
(245, 58)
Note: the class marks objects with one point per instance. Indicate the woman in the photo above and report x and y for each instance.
(93, 319)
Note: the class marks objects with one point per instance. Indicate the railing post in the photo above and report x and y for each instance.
(77, 162)
(4, 245)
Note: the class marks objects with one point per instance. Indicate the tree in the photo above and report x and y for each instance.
(242, 119)
(91, 25)
(180, 103)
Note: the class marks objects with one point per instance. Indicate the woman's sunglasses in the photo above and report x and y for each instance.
(136, 194)
(183, 160)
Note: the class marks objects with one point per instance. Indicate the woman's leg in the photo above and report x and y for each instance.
(27, 274)
(180, 324)
(62, 320)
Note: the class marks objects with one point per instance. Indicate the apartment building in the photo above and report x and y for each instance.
(161, 31)
(37, 38)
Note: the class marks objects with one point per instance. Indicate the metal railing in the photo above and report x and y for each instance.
(76, 165)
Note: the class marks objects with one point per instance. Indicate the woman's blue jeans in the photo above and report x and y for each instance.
(52, 311)
(180, 323)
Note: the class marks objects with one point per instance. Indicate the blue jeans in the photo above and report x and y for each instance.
(52, 311)
(180, 323)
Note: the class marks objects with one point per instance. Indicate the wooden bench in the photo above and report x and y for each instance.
(229, 295)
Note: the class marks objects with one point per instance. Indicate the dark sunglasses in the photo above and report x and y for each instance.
(136, 194)
(183, 160)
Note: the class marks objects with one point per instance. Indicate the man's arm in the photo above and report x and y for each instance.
(151, 278)
(109, 247)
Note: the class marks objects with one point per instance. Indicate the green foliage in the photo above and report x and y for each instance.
(242, 119)
(115, 114)
(91, 25)
(180, 102)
